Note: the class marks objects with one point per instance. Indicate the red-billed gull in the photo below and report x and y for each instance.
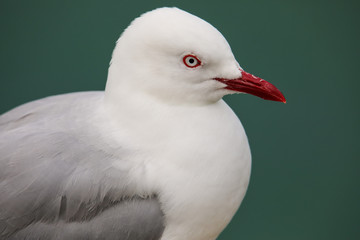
(158, 155)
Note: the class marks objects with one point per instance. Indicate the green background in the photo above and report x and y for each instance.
(305, 181)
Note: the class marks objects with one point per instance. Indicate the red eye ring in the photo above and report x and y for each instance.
(191, 61)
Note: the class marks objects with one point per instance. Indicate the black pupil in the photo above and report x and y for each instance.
(191, 60)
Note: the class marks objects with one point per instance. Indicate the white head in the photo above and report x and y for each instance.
(173, 56)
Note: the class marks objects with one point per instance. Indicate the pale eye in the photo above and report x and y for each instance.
(191, 61)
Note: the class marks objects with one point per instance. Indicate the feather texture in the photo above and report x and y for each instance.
(55, 178)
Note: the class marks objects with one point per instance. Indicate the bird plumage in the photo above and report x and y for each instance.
(55, 176)
(158, 155)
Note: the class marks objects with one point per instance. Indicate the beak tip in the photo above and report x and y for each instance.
(282, 99)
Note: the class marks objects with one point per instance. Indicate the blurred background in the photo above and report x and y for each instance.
(305, 181)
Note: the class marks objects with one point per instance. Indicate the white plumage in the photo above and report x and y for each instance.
(194, 146)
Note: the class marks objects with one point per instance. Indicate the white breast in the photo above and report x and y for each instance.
(197, 159)
(202, 170)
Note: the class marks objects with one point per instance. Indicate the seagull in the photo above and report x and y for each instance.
(157, 155)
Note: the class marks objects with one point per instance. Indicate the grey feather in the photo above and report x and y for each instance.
(129, 220)
(57, 181)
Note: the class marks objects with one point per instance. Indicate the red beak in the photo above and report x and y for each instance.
(251, 84)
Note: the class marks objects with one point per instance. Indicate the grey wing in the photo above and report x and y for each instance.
(55, 185)
(133, 219)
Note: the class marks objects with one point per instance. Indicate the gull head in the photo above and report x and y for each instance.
(178, 58)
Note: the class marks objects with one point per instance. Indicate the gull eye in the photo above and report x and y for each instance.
(191, 61)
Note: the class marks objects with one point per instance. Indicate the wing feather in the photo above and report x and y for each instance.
(55, 179)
